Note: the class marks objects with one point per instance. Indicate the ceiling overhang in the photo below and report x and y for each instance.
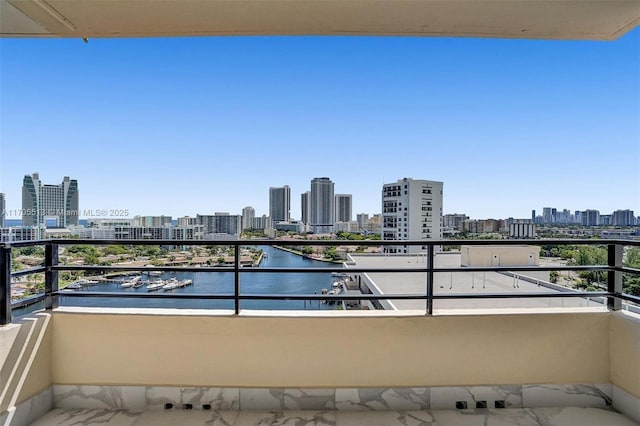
(531, 19)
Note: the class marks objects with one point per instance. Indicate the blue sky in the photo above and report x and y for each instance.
(198, 125)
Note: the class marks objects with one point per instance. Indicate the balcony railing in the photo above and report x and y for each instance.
(614, 269)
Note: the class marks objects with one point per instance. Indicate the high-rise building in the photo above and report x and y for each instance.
(305, 207)
(220, 223)
(248, 213)
(152, 221)
(453, 221)
(187, 221)
(363, 220)
(577, 217)
(375, 224)
(411, 210)
(623, 218)
(262, 222)
(533, 215)
(280, 204)
(343, 204)
(591, 217)
(322, 205)
(2, 209)
(43, 202)
(549, 215)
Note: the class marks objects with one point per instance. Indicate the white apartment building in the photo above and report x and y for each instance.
(21, 233)
(522, 229)
(248, 214)
(411, 210)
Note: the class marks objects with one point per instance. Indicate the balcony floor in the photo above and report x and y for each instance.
(554, 416)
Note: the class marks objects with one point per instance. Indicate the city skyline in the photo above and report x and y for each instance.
(89, 213)
(507, 126)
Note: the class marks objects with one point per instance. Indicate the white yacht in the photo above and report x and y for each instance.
(155, 285)
(171, 284)
(132, 282)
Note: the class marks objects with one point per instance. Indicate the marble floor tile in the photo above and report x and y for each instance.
(485, 417)
(547, 416)
(286, 418)
(87, 416)
(580, 416)
(384, 418)
(459, 418)
(187, 417)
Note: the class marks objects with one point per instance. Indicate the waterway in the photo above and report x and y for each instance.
(223, 283)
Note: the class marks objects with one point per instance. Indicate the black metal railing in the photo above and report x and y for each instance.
(614, 272)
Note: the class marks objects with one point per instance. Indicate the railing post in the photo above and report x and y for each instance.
(50, 276)
(236, 293)
(614, 278)
(430, 279)
(5, 285)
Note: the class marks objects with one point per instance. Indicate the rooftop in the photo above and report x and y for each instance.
(459, 283)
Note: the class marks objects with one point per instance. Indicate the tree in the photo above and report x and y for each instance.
(591, 255)
(151, 251)
(114, 250)
(83, 250)
(631, 283)
(331, 253)
(37, 251)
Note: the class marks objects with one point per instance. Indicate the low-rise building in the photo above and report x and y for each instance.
(522, 229)
(497, 255)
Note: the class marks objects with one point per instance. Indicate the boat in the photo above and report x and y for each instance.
(74, 286)
(132, 282)
(80, 284)
(85, 282)
(171, 284)
(155, 285)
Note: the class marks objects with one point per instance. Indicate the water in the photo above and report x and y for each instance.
(223, 283)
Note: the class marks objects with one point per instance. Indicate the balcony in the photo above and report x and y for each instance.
(525, 364)
(456, 356)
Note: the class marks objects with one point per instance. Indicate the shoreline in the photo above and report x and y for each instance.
(299, 253)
